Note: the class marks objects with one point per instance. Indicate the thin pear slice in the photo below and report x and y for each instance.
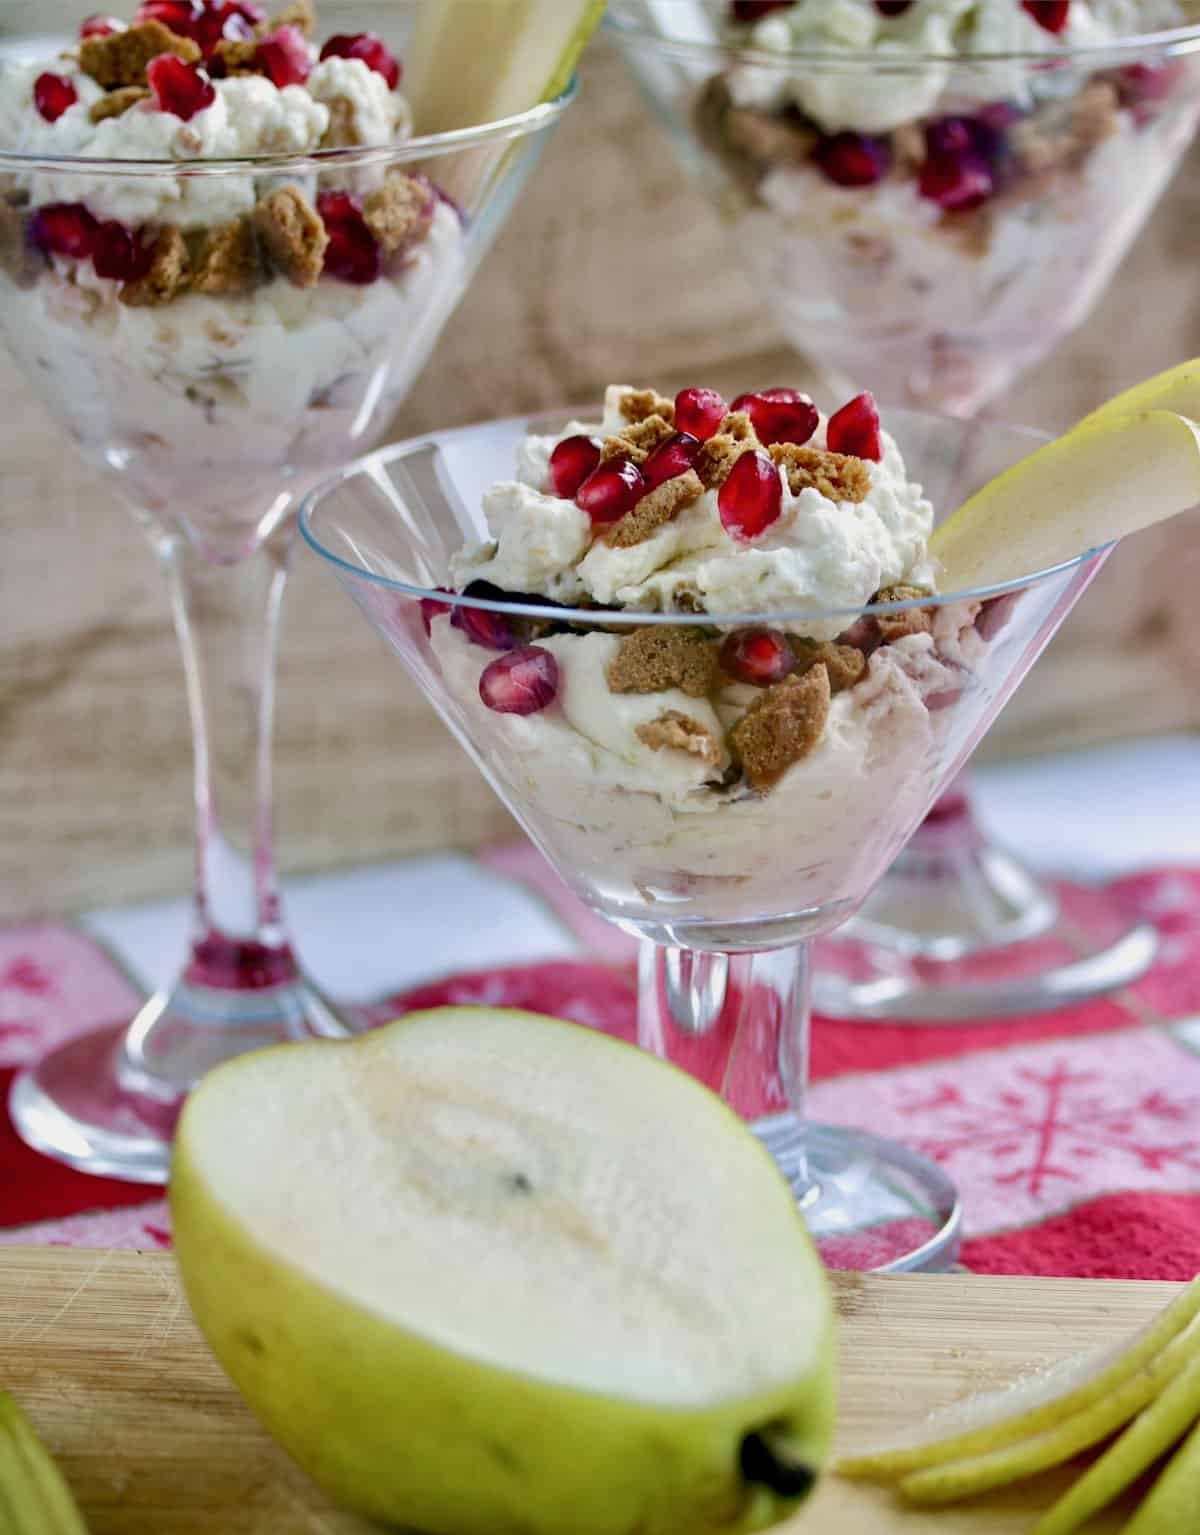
(1001, 1418)
(473, 61)
(1169, 1508)
(1176, 389)
(1151, 1434)
(953, 1481)
(1100, 482)
(34, 1498)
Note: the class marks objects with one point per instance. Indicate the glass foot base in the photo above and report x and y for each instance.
(106, 1103)
(871, 1204)
(1088, 948)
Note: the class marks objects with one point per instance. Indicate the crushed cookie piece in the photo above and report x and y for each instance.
(846, 665)
(638, 442)
(838, 476)
(168, 276)
(1094, 113)
(739, 425)
(120, 58)
(617, 447)
(769, 139)
(688, 601)
(908, 147)
(227, 261)
(674, 731)
(782, 727)
(294, 236)
(299, 13)
(399, 213)
(238, 56)
(342, 132)
(898, 626)
(637, 404)
(655, 658)
(20, 259)
(660, 506)
(717, 456)
(117, 103)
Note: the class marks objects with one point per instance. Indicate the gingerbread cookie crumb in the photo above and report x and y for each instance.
(846, 665)
(1094, 113)
(638, 442)
(169, 274)
(399, 213)
(674, 731)
(238, 56)
(782, 727)
(717, 456)
(228, 259)
(117, 103)
(637, 404)
(299, 13)
(120, 58)
(662, 505)
(653, 659)
(898, 626)
(838, 476)
(291, 230)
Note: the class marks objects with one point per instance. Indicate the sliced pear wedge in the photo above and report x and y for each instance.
(953, 1481)
(473, 61)
(34, 1498)
(1151, 1434)
(1176, 389)
(986, 1423)
(1169, 1508)
(1109, 477)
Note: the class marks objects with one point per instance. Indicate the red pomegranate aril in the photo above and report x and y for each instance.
(284, 57)
(863, 634)
(570, 464)
(892, 7)
(372, 50)
(179, 88)
(751, 499)
(524, 682)
(64, 229)
(613, 489)
(431, 608)
(483, 627)
(52, 95)
(699, 412)
(353, 254)
(757, 656)
(755, 10)
(100, 26)
(117, 252)
(855, 429)
(674, 457)
(958, 182)
(853, 159)
(1051, 14)
(780, 415)
(178, 16)
(233, 21)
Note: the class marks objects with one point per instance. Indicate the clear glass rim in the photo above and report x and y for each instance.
(426, 146)
(371, 464)
(1174, 41)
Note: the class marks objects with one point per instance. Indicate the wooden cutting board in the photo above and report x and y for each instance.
(101, 1352)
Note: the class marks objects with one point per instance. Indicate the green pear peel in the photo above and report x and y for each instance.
(1170, 1507)
(34, 1498)
(1002, 1418)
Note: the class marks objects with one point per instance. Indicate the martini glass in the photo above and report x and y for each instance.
(215, 412)
(728, 892)
(958, 217)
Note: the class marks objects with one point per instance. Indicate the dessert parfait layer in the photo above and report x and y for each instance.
(215, 335)
(933, 191)
(700, 763)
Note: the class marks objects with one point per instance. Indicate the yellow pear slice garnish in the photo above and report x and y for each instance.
(1170, 1505)
(1176, 389)
(1110, 476)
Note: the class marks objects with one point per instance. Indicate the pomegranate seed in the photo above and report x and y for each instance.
(100, 26)
(372, 50)
(780, 415)
(571, 463)
(117, 252)
(892, 7)
(52, 95)
(957, 183)
(1051, 14)
(64, 229)
(855, 429)
(758, 656)
(521, 683)
(751, 499)
(1138, 84)
(431, 608)
(863, 634)
(353, 253)
(755, 10)
(699, 412)
(179, 88)
(179, 16)
(284, 57)
(675, 457)
(853, 159)
(612, 490)
(483, 627)
(234, 21)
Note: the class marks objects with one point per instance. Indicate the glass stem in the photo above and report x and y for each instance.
(739, 1023)
(227, 620)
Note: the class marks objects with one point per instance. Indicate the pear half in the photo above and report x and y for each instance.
(482, 1272)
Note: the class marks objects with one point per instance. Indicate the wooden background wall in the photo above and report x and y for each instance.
(94, 755)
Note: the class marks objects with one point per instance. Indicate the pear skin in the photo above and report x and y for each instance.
(1171, 1506)
(1176, 389)
(34, 1498)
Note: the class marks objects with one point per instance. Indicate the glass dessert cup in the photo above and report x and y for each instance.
(966, 215)
(726, 887)
(215, 410)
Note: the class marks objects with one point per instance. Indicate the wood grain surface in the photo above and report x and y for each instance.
(613, 268)
(100, 1350)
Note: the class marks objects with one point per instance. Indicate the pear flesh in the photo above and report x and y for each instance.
(482, 1271)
